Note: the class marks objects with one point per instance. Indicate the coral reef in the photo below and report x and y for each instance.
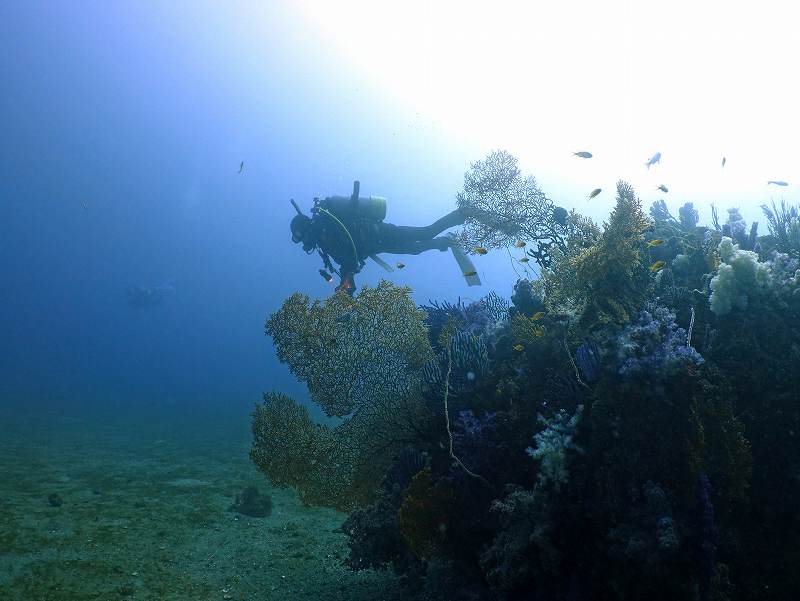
(353, 352)
(362, 358)
(524, 551)
(292, 451)
(626, 429)
(424, 515)
(688, 215)
(740, 277)
(784, 227)
(478, 318)
(552, 445)
(608, 281)
(654, 345)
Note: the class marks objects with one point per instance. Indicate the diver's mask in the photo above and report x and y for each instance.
(301, 232)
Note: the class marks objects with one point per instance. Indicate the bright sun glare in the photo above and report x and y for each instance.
(623, 79)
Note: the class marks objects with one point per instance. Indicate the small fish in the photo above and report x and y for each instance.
(777, 183)
(241, 166)
(656, 242)
(85, 205)
(480, 250)
(469, 274)
(518, 347)
(663, 188)
(594, 193)
(656, 158)
(583, 154)
(400, 265)
(524, 260)
(537, 316)
(723, 161)
(520, 244)
(657, 266)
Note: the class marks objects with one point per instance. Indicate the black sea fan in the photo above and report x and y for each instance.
(588, 360)
(503, 206)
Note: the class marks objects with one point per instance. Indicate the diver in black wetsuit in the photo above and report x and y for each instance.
(348, 230)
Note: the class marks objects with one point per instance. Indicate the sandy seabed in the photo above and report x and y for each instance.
(144, 514)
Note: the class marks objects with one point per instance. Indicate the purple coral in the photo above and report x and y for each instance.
(478, 318)
(474, 438)
(654, 344)
(469, 425)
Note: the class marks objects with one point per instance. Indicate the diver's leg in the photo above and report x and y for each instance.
(392, 235)
(347, 282)
(452, 219)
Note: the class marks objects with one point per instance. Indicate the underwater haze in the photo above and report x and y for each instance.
(581, 382)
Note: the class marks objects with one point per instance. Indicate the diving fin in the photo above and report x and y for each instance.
(382, 263)
(466, 266)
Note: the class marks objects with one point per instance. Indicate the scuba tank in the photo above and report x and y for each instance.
(348, 208)
(372, 208)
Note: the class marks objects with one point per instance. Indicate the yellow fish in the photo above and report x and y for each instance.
(656, 242)
(518, 347)
(657, 266)
(480, 250)
(537, 316)
(468, 274)
(524, 260)
(663, 188)
(400, 265)
(520, 244)
(594, 193)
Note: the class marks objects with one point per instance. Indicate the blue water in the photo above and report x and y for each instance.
(148, 155)
(123, 128)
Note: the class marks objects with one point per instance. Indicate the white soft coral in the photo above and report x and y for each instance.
(740, 277)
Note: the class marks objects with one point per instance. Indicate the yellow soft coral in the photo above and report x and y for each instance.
(608, 280)
(361, 358)
(353, 351)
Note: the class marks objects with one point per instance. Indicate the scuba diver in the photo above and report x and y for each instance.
(349, 229)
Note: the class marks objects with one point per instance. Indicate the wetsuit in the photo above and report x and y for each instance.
(370, 237)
